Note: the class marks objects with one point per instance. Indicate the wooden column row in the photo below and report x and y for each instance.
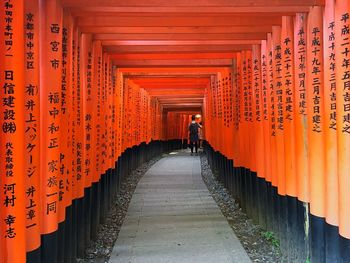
(65, 110)
(289, 102)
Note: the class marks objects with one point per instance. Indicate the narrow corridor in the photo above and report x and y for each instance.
(92, 90)
(173, 218)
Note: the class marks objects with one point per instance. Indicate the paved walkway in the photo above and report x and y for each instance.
(172, 218)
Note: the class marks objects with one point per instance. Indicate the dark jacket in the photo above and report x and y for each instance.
(193, 129)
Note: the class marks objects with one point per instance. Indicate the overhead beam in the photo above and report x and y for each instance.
(176, 92)
(178, 89)
(172, 36)
(160, 96)
(165, 75)
(174, 49)
(184, 105)
(178, 42)
(205, 10)
(189, 110)
(117, 29)
(156, 85)
(173, 62)
(235, 20)
(170, 71)
(172, 79)
(172, 84)
(174, 99)
(182, 100)
(186, 3)
(228, 55)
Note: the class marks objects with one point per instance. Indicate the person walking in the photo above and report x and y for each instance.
(193, 132)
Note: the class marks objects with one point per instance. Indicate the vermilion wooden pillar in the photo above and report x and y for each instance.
(50, 115)
(342, 10)
(12, 161)
(32, 131)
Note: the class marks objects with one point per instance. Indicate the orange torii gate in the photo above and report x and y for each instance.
(91, 90)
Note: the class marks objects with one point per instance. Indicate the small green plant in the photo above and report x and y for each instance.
(270, 236)
(307, 261)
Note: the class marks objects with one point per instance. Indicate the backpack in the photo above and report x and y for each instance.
(193, 129)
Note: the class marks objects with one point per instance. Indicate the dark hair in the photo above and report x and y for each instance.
(193, 117)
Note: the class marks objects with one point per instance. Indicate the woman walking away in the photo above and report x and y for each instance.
(193, 130)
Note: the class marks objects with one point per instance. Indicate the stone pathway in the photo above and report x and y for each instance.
(172, 218)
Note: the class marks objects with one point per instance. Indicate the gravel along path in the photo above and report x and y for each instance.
(100, 249)
(254, 239)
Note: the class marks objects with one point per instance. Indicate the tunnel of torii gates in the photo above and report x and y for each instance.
(91, 89)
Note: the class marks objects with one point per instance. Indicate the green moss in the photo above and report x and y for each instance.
(270, 237)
